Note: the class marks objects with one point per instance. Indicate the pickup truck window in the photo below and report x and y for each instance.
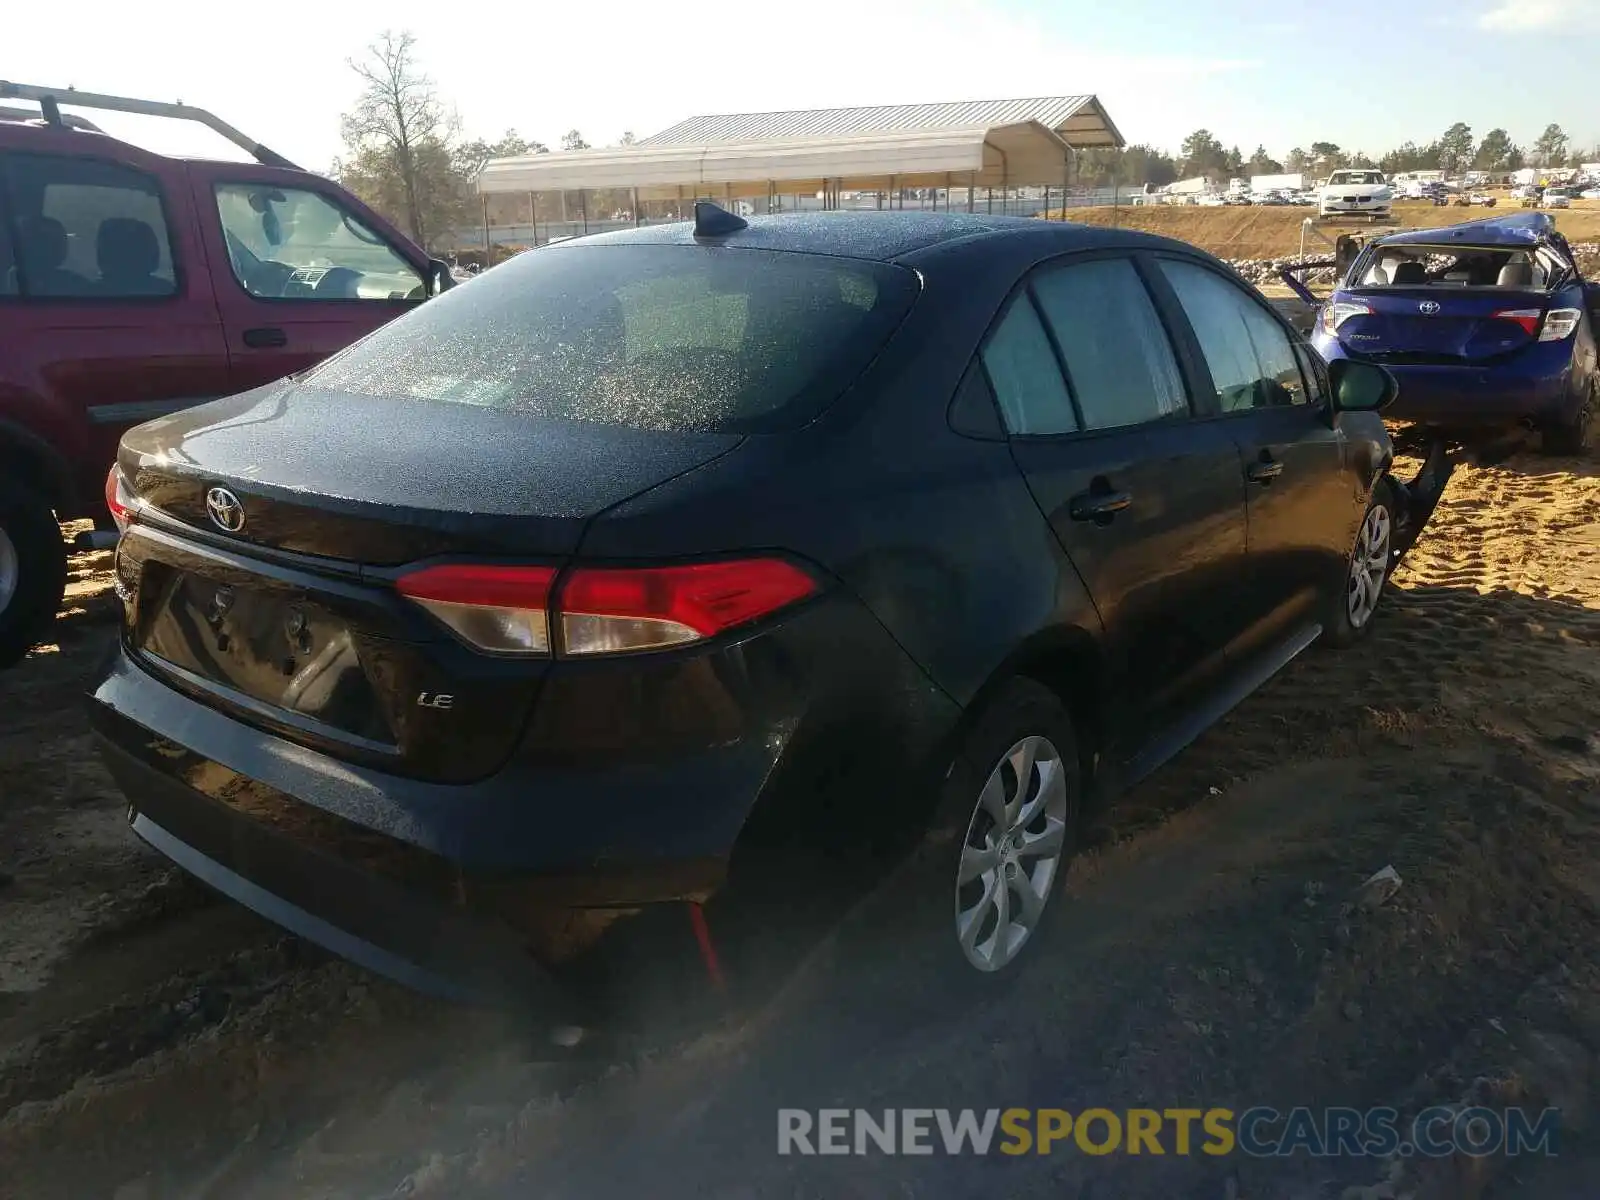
(88, 229)
(296, 244)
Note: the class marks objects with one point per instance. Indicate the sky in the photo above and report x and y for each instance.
(1365, 74)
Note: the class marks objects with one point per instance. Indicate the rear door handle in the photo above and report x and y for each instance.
(263, 339)
(1098, 507)
(1264, 472)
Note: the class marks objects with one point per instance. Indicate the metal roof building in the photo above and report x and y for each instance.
(967, 144)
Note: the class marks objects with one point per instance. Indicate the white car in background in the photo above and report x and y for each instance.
(1590, 194)
(1355, 191)
(1556, 198)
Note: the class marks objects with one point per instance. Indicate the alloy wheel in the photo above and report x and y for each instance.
(1011, 854)
(1369, 566)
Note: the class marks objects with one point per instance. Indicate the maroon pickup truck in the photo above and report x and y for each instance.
(133, 285)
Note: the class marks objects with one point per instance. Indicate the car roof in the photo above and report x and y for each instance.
(883, 236)
(1518, 230)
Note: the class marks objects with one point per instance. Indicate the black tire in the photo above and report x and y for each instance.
(1022, 709)
(1340, 627)
(1572, 436)
(37, 554)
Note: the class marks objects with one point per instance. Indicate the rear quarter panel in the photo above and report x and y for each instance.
(935, 532)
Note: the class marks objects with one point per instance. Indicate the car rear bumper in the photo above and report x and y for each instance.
(356, 915)
(632, 790)
(1473, 397)
(1453, 395)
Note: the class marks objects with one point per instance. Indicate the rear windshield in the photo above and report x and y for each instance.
(699, 338)
(1455, 267)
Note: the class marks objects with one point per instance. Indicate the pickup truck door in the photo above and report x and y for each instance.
(108, 309)
(302, 269)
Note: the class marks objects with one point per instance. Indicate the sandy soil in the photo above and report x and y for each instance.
(1274, 232)
(155, 1042)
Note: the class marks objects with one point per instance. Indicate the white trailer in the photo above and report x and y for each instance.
(1294, 181)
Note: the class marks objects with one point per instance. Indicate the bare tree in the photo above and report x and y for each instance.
(399, 125)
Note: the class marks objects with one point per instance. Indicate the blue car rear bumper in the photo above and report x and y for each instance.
(1474, 396)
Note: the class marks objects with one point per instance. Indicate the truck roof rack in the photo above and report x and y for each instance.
(50, 100)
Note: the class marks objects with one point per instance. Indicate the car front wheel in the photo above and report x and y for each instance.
(1366, 571)
(33, 570)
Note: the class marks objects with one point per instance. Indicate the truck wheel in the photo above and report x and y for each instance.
(1572, 436)
(33, 570)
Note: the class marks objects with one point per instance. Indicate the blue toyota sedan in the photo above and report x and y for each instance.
(1486, 324)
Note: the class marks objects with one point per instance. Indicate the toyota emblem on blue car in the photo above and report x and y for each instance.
(1428, 307)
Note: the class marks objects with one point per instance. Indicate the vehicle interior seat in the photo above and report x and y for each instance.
(128, 254)
(41, 254)
(1410, 271)
(1515, 275)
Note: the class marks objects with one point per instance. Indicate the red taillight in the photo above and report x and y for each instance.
(500, 609)
(603, 610)
(118, 498)
(607, 610)
(1528, 318)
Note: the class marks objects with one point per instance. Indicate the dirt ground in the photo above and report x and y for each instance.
(156, 1042)
(1274, 232)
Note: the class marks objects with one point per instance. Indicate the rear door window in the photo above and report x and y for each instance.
(1026, 376)
(88, 229)
(661, 337)
(1120, 363)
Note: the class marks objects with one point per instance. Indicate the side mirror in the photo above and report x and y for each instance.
(440, 277)
(1360, 386)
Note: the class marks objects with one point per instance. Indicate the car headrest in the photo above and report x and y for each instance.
(126, 248)
(1515, 274)
(1410, 271)
(44, 243)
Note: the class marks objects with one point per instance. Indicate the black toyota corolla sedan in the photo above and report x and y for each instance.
(533, 606)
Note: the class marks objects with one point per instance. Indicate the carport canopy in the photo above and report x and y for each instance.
(952, 146)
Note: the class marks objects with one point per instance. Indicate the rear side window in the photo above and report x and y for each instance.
(1250, 356)
(1120, 364)
(88, 229)
(1025, 375)
(658, 337)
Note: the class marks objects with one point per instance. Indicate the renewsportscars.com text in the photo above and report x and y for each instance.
(1258, 1132)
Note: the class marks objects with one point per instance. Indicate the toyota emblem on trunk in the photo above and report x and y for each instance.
(1428, 307)
(224, 509)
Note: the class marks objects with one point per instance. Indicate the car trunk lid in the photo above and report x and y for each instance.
(380, 481)
(1438, 325)
(293, 620)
